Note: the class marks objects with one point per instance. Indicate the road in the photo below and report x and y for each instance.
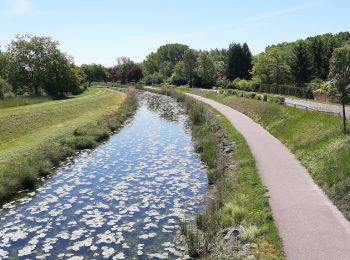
(313, 105)
(310, 226)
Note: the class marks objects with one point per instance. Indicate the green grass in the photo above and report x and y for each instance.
(239, 198)
(22, 101)
(314, 137)
(35, 138)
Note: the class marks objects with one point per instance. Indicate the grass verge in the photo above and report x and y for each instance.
(29, 158)
(314, 137)
(236, 198)
(22, 101)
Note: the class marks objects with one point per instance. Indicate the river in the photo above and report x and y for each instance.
(123, 200)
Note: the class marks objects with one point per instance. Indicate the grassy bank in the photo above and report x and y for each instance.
(36, 138)
(314, 137)
(22, 101)
(236, 195)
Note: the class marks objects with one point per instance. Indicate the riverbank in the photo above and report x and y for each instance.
(314, 137)
(237, 220)
(36, 138)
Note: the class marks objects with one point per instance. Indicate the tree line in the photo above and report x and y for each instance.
(179, 65)
(35, 65)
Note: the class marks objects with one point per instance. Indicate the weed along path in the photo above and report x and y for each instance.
(123, 200)
(309, 225)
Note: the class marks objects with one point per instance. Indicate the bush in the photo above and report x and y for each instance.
(224, 83)
(286, 90)
(277, 99)
(84, 142)
(153, 79)
(264, 97)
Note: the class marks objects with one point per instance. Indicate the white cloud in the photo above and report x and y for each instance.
(20, 7)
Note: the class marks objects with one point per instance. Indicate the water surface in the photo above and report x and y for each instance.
(123, 200)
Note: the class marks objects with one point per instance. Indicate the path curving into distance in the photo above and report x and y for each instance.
(310, 226)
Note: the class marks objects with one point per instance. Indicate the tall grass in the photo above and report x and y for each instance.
(22, 101)
(26, 172)
(236, 197)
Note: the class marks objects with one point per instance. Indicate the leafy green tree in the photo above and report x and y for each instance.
(178, 77)
(271, 67)
(189, 65)
(206, 70)
(165, 59)
(94, 72)
(340, 76)
(3, 64)
(61, 77)
(239, 62)
(29, 60)
(301, 65)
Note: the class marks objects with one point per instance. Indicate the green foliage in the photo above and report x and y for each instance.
(239, 62)
(298, 62)
(189, 65)
(164, 60)
(36, 64)
(340, 75)
(153, 79)
(5, 87)
(94, 72)
(272, 66)
(206, 70)
(301, 65)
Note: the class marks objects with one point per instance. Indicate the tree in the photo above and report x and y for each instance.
(189, 65)
(340, 76)
(61, 77)
(164, 59)
(271, 67)
(94, 72)
(301, 65)
(36, 64)
(239, 62)
(29, 60)
(3, 64)
(206, 70)
(178, 77)
(135, 73)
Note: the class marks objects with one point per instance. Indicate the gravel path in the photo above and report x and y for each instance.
(312, 105)
(310, 226)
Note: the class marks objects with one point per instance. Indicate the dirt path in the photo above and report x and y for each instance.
(309, 225)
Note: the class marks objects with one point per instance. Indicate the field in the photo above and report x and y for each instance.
(314, 137)
(34, 138)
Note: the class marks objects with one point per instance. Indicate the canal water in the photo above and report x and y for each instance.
(123, 200)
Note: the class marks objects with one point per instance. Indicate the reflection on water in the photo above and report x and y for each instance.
(123, 200)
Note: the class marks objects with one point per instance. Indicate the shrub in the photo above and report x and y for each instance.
(277, 99)
(264, 97)
(224, 83)
(286, 90)
(84, 142)
(155, 78)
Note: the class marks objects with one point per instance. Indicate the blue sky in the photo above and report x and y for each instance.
(101, 30)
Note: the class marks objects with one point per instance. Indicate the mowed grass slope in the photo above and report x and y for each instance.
(34, 138)
(314, 137)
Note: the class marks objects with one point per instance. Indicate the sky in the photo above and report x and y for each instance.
(99, 31)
